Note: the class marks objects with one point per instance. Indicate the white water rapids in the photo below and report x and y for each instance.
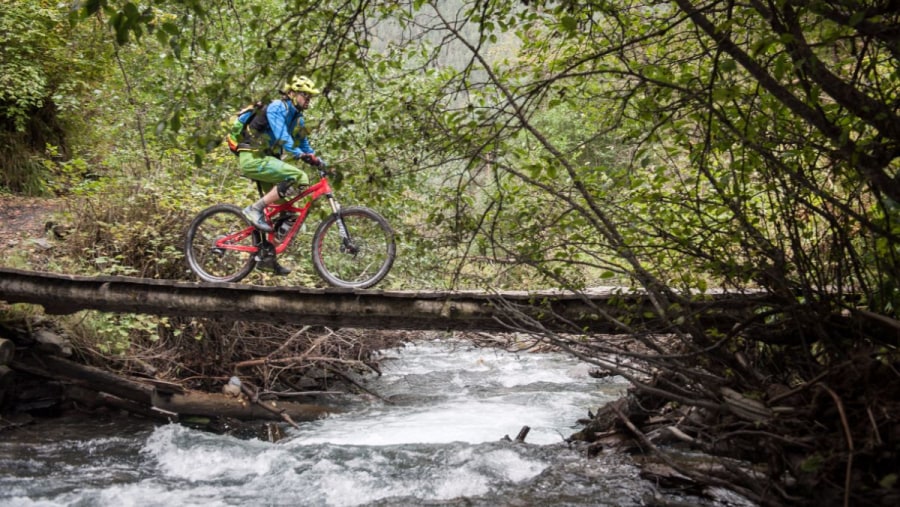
(438, 442)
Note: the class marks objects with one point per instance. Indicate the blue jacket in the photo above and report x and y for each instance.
(283, 127)
(285, 119)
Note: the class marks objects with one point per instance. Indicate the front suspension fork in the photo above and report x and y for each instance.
(347, 245)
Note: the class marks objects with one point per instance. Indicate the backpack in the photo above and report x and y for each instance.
(241, 120)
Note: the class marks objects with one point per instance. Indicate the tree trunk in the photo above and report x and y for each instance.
(93, 378)
(372, 309)
(97, 387)
(220, 405)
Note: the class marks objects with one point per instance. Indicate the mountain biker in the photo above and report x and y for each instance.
(276, 132)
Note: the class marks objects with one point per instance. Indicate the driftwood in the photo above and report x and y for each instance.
(93, 387)
(220, 405)
(94, 378)
(520, 438)
(90, 399)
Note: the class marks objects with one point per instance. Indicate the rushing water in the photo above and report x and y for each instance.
(439, 441)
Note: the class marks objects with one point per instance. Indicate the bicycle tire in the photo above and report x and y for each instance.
(212, 264)
(371, 235)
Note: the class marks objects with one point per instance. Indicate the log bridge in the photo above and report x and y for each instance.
(557, 311)
(373, 309)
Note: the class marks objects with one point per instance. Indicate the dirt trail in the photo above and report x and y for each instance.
(23, 219)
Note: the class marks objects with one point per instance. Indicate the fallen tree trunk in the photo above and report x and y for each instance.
(220, 405)
(97, 387)
(95, 379)
(373, 309)
(87, 398)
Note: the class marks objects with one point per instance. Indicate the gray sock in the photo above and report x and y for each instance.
(259, 205)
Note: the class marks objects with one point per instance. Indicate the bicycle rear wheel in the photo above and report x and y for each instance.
(220, 245)
(359, 261)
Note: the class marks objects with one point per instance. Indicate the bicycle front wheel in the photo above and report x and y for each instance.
(220, 245)
(358, 258)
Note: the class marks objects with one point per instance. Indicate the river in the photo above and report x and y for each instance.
(438, 441)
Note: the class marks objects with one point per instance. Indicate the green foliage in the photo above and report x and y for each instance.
(526, 144)
(43, 69)
(22, 171)
(113, 335)
(11, 313)
(124, 21)
(29, 36)
(132, 230)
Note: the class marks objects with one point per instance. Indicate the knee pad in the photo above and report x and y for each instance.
(286, 189)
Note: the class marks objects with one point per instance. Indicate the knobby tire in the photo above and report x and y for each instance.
(212, 264)
(371, 235)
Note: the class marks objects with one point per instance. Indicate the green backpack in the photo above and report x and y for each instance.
(243, 117)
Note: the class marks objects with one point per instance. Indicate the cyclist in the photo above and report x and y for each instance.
(276, 132)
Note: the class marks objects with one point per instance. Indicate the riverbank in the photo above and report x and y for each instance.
(237, 372)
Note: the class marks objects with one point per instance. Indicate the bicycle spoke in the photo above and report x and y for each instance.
(218, 245)
(362, 262)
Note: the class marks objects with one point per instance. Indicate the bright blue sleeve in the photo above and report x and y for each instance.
(280, 116)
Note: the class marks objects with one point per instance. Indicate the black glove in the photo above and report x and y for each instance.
(312, 160)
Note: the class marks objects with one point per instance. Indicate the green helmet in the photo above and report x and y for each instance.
(301, 84)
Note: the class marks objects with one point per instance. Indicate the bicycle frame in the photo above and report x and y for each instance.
(312, 193)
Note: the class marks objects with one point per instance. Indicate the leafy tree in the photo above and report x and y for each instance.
(757, 149)
(42, 73)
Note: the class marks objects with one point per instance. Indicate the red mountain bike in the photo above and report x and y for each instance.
(353, 248)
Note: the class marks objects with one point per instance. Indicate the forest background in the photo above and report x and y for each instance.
(676, 147)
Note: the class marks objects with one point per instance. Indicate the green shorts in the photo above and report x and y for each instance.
(269, 170)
